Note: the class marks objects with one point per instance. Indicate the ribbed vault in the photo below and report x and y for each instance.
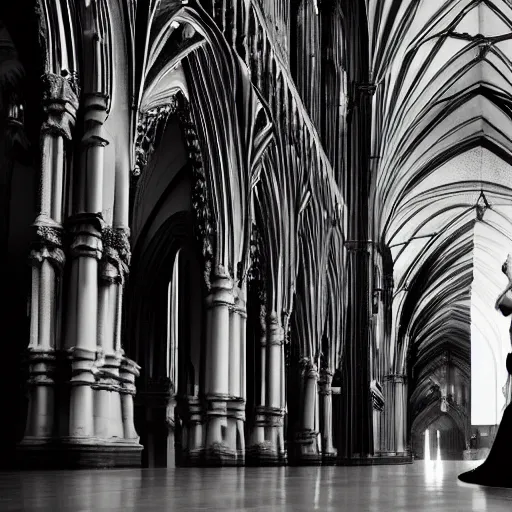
(441, 177)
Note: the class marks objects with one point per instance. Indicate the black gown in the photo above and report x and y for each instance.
(495, 470)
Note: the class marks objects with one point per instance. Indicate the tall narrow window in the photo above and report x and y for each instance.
(173, 315)
(427, 445)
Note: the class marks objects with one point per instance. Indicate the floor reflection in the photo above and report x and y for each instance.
(434, 473)
(422, 486)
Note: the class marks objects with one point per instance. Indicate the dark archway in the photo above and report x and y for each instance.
(165, 332)
(21, 65)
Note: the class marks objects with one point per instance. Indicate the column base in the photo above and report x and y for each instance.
(213, 457)
(329, 459)
(376, 460)
(264, 454)
(36, 453)
(308, 459)
(306, 449)
(219, 454)
(193, 458)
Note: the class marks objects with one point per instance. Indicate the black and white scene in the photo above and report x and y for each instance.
(256, 255)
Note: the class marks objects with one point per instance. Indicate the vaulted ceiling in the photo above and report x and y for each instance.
(442, 189)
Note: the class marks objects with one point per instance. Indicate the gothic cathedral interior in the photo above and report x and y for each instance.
(252, 232)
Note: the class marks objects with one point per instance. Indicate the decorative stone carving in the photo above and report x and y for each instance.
(85, 230)
(149, 131)
(60, 103)
(396, 378)
(116, 254)
(308, 368)
(257, 271)
(325, 381)
(48, 245)
(48, 235)
(150, 128)
(275, 331)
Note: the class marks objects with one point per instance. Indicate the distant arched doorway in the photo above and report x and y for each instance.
(445, 439)
(165, 326)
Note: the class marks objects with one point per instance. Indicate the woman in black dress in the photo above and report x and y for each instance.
(495, 471)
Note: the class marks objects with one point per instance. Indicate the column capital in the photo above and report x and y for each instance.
(367, 88)
(116, 254)
(60, 103)
(83, 367)
(309, 368)
(325, 382)
(275, 332)
(396, 378)
(53, 254)
(48, 244)
(128, 371)
(95, 115)
(85, 230)
(221, 291)
(269, 416)
(359, 245)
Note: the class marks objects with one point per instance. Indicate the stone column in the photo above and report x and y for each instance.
(236, 405)
(219, 302)
(242, 311)
(109, 391)
(47, 262)
(234, 350)
(273, 411)
(234, 373)
(86, 251)
(325, 392)
(260, 449)
(307, 436)
(195, 446)
(129, 371)
(378, 406)
(394, 415)
(60, 104)
(275, 364)
(356, 431)
(400, 384)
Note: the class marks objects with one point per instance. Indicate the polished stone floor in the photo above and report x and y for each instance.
(421, 486)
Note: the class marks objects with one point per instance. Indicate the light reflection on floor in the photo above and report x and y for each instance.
(422, 486)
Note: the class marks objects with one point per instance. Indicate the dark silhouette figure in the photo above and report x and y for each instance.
(494, 471)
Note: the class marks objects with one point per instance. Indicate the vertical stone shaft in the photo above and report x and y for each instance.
(310, 399)
(395, 414)
(356, 433)
(234, 352)
(400, 413)
(234, 374)
(47, 257)
(275, 341)
(258, 434)
(86, 250)
(274, 391)
(219, 302)
(325, 391)
(307, 436)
